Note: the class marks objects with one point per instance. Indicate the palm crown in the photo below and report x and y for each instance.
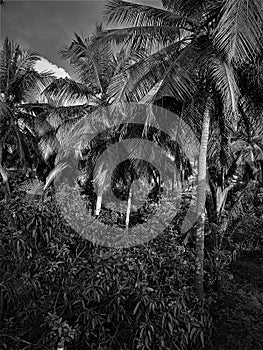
(20, 83)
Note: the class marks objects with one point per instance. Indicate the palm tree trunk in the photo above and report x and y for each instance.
(1, 151)
(4, 174)
(173, 182)
(22, 157)
(128, 209)
(221, 196)
(98, 203)
(261, 170)
(201, 195)
(182, 177)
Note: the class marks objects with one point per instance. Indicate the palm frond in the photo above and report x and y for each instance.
(174, 82)
(133, 38)
(5, 110)
(125, 58)
(56, 125)
(54, 173)
(127, 13)
(30, 85)
(68, 90)
(49, 144)
(225, 82)
(239, 31)
(118, 89)
(17, 74)
(26, 61)
(220, 153)
(93, 65)
(237, 210)
(164, 65)
(7, 52)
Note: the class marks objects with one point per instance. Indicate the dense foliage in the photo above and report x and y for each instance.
(57, 287)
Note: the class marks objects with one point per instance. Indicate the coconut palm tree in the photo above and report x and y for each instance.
(192, 46)
(71, 100)
(19, 83)
(95, 69)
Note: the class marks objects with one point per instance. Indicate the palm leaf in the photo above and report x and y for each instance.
(239, 31)
(54, 173)
(164, 65)
(222, 76)
(134, 38)
(127, 13)
(93, 65)
(68, 90)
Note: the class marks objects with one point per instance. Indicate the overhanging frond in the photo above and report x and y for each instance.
(239, 31)
(225, 82)
(127, 13)
(68, 90)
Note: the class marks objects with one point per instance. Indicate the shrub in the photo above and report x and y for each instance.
(59, 288)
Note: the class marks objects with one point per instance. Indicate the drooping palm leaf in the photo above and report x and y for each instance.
(20, 84)
(126, 13)
(68, 90)
(133, 38)
(239, 31)
(225, 82)
(93, 66)
(165, 65)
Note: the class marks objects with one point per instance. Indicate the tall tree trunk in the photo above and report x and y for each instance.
(174, 180)
(182, 177)
(101, 188)
(201, 196)
(221, 196)
(128, 209)
(4, 174)
(261, 170)
(22, 156)
(98, 203)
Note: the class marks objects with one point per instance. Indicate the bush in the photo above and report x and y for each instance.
(59, 288)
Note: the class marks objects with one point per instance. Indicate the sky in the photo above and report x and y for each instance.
(46, 26)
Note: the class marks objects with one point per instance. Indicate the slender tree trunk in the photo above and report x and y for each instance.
(4, 174)
(178, 179)
(261, 170)
(1, 151)
(201, 196)
(182, 177)
(127, 221)
(173, 182)
(98, 203)
(101, 188)
(221, 196)
(22, 157)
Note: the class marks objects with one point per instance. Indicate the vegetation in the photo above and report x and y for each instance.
(201, 61)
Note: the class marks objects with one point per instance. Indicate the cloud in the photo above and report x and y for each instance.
(45, 65)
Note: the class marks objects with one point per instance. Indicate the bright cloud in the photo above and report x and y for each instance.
(45, 65)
